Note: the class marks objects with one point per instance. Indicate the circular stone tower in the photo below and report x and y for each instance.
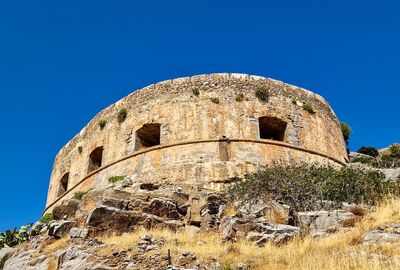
(198, 131)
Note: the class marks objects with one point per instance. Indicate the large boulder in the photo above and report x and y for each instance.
(323, 223)
(110, 217)
(66, 208)
(60, 228)
(272, 211)
(27, 260)
(384, 235)
(163, 208)
(258, 230)
(5, 254)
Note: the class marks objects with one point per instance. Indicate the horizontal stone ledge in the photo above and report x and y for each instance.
(159, 147)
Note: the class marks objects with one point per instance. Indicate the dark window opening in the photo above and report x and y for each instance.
(63, 185)
(147, 136)
(95, 159)
(272, 128)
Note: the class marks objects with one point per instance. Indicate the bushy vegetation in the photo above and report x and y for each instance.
(46, 218)
(368, 150)
(214, 100)
(239, 97)
(102, 123)
(346, 131)
(309, 187)
(11, 238)
(196, 91)
(115, 179)
(308, 108)
(122, 115)
(262, 94)
(79, 194)
(391, 158)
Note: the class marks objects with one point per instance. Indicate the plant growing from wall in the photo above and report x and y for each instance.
(46, 218)
(346, 131)
(102, 123)
(196, 91)
(115, 179)
(308, 108)
(80, 149)
(262, 93)
(214, 100)
(122, 115)
(239, 97)
(80, 194)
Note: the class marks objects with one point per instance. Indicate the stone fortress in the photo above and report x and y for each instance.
(198, 131)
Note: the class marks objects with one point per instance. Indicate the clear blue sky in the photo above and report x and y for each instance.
(63, 61)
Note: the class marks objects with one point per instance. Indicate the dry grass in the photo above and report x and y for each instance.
(339, 251)
(55, 245)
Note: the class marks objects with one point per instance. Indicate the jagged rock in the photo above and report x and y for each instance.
(5, 254)
(272, 211)
(111, 217)
(384, 235)
(77, 232)
(187, 259)
(75, 258)
(322, 223)
(126, 182)
(67, 208)
(60, 228)
(192, 230)
(257, 230)
(163, 208)
(27, 260)
(117, 194)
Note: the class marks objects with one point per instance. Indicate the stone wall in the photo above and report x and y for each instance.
(190, 128)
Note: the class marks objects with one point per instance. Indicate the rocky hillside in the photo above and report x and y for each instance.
(144, 226)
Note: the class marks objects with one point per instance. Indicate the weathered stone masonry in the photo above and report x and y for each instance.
(173, 136)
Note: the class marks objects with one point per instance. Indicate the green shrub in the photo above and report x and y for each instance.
(294, 101)
(102, 123)
(80, 149)
(46, 218)
(394, 151)
(308, 187)
(369, 151)
(196, 91)
(363, 160)
(214, 100)
(308, 108)
(14, 237)
(122, 115)
(262, 94)
(79, 194)
(346, 131)
(239, 97)
(226, 266)
(115, 179)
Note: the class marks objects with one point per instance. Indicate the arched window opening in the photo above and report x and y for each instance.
(63, 185)
(95, 159)
(147, 136)
(272, 128)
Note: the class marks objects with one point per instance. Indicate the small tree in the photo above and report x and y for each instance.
(346, 131)
(368, 150)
